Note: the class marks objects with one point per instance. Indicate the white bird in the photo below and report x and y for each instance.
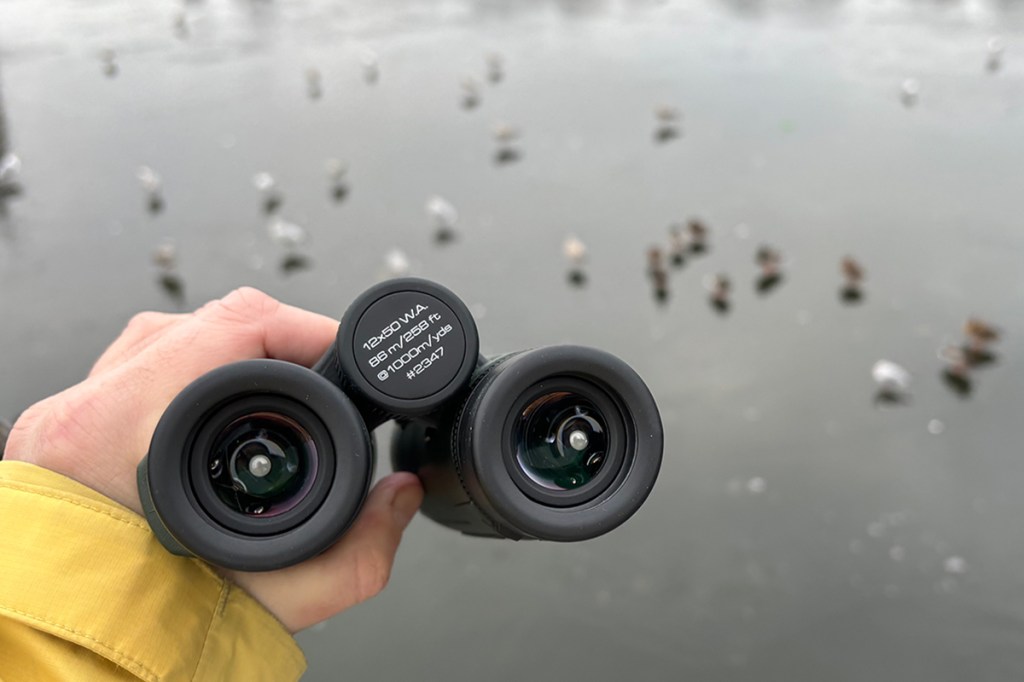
(264, 182)
(10, 168)
(149, 179)
(165, 256)
(890, 377)
(336, 170)
(910, 91)
(396, 262)
(575, 250)
(506, 134)
(442, 212)
(286, 234)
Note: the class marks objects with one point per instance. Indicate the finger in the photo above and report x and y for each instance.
(141, 330)
(269, 328)
(353, 570)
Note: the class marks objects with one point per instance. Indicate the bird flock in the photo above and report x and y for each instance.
(685, 240)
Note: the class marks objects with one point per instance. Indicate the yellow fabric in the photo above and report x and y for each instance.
(87, 593)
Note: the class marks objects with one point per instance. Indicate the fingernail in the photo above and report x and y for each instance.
(406, 503)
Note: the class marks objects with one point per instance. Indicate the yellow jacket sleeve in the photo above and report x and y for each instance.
(87, 593)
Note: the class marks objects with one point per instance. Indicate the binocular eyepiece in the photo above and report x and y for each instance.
(262, 464)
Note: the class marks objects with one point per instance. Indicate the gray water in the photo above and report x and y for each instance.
(798, 531)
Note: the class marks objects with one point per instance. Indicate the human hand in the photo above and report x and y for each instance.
(97, 431)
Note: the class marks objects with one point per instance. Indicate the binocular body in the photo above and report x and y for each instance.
(262, 464)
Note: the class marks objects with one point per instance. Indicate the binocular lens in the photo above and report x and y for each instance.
(263, 464)
(561, 441)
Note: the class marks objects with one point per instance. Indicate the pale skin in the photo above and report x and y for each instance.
(97, 431)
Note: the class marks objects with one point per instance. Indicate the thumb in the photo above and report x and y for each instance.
(356, 568)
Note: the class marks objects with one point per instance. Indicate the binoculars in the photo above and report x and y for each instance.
(262, 464)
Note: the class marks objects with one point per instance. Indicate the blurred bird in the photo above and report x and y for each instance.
(698, 235)
(181, 25)
(657, 273)
(853, 274)
(470, 93)
(396, 263)
(980, 333)
(337, 170)
(371, 66)
(720, 286)
(667, 127)
(314, 88)
(267, 186)
(495, 67)
(910, 91)
(443, 216)
(152, 185)
(575, 252)
(893, 382)
(10, 174)
(109, 60)
(996, 48)
(771, 275)
(286, 234)
(677, 244)
(506, 136)
(165, 256)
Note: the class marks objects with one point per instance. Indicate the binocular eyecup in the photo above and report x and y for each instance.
(262, 464)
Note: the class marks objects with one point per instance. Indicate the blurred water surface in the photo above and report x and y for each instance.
(798, 532)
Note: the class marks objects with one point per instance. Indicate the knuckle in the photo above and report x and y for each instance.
(373, 571)
(143, 322)
(244, 304)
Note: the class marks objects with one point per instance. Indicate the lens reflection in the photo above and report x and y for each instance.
(561, 441)
(263, 464)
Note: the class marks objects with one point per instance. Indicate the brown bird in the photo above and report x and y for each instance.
(768, 258)
(980, 333)
(852, 270)
(698, 235)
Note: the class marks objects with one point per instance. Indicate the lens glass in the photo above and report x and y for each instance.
(561, 440)
(263, 464)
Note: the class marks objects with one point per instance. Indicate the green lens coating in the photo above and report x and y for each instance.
(561, 441)
(262, 464)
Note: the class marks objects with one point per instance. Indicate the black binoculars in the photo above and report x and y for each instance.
(262, 464)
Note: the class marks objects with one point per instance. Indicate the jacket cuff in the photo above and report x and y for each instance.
(83, 568)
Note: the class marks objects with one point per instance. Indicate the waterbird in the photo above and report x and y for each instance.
(267, 186)
(495, 67)
(109, 60)
(371, 65)
(667, 126)
(853, 274)
(910, 91)
(698, 235)
(286, 234)
(575, 252)
(443, 217)
(396, 263)
(720, 286)
(10, 174)
(470, 93)
(677, 244)
(314, 80)
(337, 170)
(996, 48)
(892, 380)
(769, 261)
(506, 136)
(152, 185)
(165, 256)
